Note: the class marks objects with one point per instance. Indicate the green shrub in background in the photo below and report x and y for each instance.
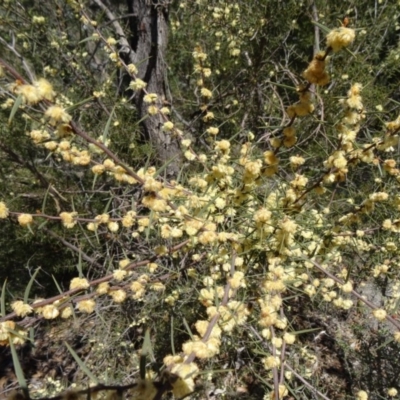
(258, 251)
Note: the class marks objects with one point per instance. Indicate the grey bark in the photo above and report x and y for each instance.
(149, 34)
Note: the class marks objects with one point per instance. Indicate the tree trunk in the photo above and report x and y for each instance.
(149, 32)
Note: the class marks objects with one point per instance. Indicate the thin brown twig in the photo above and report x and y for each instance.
(74, 248)
(93, 283)
(354, 293)
(301, 379)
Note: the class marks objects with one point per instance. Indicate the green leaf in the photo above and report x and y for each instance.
(45, 199)
(188, 328)
(30, 229)
(306, 331)
(17, 368)
(77, 105)
(32, 335)
(58, 286)
(383, 345)
(351, 53)
(88, 39)
(79, 265)
(17, 103)
(29, 286)
(172, 336)
(283, 86)
(18, 334)
(263, 353)
(81, 364)
(146, 351)
(321, 26)
(108, 205)
(107, 127)
(3, 299)
(94, 181)
(43, 224)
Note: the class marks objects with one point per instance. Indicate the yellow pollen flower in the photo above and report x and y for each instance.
(30, 94)
(79, 283)
(57, 114)
(3, 210)
(21, 309)
(340, 37)
(86, 306)
(25, 219)
(68, 219)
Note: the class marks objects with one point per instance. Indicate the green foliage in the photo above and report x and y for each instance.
(246, 270)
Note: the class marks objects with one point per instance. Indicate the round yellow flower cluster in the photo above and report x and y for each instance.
(315, 72)
(10, 332)
(38, 91)
(339, 38)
